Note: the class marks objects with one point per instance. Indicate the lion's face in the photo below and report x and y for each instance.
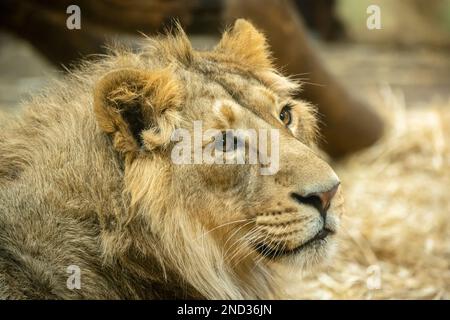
(282, 207)
(289, 214)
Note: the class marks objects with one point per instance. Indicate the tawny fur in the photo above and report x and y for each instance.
(86, 178)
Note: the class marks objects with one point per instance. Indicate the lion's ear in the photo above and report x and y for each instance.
(139, 109)
(245, 43)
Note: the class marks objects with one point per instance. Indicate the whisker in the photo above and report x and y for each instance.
(232, 235)
(246, 238)
(221, 226)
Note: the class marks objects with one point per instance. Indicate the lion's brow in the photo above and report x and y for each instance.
(213, 74)
(239, 98)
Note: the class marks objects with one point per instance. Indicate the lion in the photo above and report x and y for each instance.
(93, 207)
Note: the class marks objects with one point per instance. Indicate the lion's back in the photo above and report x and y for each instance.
(56, 173)
(39, 247)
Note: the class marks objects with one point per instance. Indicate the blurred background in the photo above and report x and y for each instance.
(395, 241)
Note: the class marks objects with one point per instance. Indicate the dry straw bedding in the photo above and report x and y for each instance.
(395, 236)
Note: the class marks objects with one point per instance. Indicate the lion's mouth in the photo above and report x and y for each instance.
(274, 253)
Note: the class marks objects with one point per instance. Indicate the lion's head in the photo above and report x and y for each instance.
(219, 227)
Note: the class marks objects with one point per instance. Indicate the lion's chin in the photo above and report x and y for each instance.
(308, 255)
(311, 258)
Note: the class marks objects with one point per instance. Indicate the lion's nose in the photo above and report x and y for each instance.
(320, 200)
(326, 196)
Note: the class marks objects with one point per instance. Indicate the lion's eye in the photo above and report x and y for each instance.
(285, 115)
(227, 142)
